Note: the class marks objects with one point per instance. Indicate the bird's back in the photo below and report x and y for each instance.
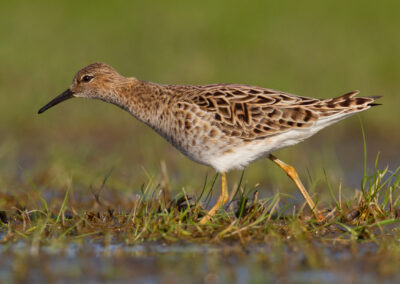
(250, 112)
(236, 124)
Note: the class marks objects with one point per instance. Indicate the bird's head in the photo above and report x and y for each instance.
(95, 81)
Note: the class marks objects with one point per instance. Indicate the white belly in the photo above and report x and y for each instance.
(247, 152)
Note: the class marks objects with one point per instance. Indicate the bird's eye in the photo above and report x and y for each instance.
(87, 78)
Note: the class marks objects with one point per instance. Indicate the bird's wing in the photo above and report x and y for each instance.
(252, 112)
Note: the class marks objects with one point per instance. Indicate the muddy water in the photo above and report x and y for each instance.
(194, 263)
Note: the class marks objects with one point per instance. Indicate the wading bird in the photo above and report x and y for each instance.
(224, 126)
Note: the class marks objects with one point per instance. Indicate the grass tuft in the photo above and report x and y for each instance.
(370, 215)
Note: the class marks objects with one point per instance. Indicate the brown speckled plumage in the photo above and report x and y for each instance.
(224, 126)
(210, 121)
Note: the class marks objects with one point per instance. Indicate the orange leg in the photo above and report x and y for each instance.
(222, 199)
(291, 172)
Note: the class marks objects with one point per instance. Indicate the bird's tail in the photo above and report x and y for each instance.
(345, 105)
(350, 101)
(336, 109)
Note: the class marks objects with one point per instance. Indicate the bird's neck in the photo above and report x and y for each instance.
(144, 100)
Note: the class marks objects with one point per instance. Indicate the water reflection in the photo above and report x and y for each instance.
(192, 263)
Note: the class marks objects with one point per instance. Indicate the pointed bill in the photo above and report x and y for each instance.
(60, 98)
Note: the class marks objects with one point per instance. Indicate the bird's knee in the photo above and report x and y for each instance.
(291, 172)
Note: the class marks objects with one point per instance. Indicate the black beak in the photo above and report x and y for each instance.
(60, 98)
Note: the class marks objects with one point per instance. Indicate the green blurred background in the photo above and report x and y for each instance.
(311, 48)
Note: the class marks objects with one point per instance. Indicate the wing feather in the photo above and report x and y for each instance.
(253, 112)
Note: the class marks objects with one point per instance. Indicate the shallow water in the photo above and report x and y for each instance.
(192, 263)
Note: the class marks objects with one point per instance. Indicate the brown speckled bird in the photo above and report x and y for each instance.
(224, 126)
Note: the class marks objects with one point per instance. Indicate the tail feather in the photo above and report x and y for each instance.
(374, 104)
(344, 105)
(348, 101)
(345, 96)
(330, 111)
(374, 98)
